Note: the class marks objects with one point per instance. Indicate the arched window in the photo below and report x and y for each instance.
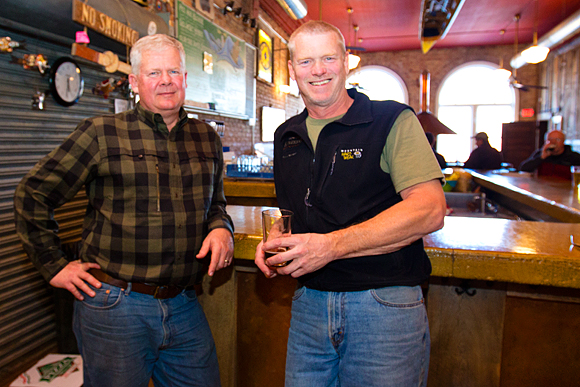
(472, 99)
(378, 83)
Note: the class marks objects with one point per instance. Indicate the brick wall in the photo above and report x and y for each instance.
(409, 65)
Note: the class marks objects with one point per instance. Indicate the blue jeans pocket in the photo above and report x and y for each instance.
(399, 296)
(190, 295)
(298, 293)
(106, 297)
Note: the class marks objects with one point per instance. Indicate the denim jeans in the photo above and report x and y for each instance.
(378, 337)
(127, 338)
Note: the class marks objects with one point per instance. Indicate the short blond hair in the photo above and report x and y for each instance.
(315, 27)
(157, 42)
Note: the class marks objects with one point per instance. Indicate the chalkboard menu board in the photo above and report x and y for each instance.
(215, 62)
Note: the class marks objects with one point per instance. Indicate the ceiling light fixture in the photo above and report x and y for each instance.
(557, 35)
(535, 54)
(228, 7)
(502, 73)
(353, 59)
(297, 9)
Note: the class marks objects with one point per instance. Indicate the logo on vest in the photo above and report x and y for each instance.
(350, 154)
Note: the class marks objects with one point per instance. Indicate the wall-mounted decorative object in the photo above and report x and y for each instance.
(7, 44)
(107, 59)
(103, 24)
(82, 37)
(110, 85)
(66, 81)
(206, 8)
(266, 60)
(38, 100)
(32, 62)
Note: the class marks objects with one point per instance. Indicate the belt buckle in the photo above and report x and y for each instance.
(157, 290)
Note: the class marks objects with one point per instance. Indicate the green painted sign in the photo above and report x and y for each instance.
(215, 62)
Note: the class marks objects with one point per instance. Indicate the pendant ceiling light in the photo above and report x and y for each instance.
(535, 54)
(502, 73)
(353, 59)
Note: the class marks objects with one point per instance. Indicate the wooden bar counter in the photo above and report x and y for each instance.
(250, 192)
(503, 304)
(542, 197)
(534, 253)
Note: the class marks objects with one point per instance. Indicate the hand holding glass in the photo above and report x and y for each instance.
(276, 224)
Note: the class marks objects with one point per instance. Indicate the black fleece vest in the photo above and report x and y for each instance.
(342, 184)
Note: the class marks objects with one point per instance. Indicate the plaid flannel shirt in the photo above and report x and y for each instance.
(153, 197)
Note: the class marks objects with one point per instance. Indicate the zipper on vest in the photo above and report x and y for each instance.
(307, 198)
(333, 161)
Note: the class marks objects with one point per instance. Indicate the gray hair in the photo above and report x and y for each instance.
(158, 42)
(315, 27)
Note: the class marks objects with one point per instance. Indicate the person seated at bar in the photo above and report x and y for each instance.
(484, 156)
(439, 157)
(553, 158)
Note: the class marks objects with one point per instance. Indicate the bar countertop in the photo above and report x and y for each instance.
(550, 195)
(490, 249)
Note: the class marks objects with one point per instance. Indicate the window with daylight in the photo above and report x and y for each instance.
(378, 83)
(472, 99)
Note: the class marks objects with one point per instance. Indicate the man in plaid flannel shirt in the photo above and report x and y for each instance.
(154, 181)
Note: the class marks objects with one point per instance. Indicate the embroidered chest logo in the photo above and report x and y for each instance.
(290, 147)
(349, 154)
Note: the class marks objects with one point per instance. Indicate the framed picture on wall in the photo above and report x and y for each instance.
(265, 57)
(271, 119)
(205, 7)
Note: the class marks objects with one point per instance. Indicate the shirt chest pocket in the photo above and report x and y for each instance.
(198, 171)
(132, 172)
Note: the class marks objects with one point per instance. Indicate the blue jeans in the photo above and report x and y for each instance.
(127, 338)
(378, 337)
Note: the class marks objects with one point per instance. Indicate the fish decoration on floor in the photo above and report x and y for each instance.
(8, 45)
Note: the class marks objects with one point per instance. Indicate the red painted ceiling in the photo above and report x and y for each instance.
(386, 25)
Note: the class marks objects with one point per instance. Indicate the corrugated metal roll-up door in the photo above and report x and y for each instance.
(27, 313)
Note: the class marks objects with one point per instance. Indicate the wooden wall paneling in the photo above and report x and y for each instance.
(466, 334)
(541, 344)
(263, 322)
(521, 139)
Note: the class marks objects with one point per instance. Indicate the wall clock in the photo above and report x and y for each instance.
(66, 81)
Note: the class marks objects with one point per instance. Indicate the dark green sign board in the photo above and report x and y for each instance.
(215, 62)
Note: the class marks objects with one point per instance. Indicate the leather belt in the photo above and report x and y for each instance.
(160, 292)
